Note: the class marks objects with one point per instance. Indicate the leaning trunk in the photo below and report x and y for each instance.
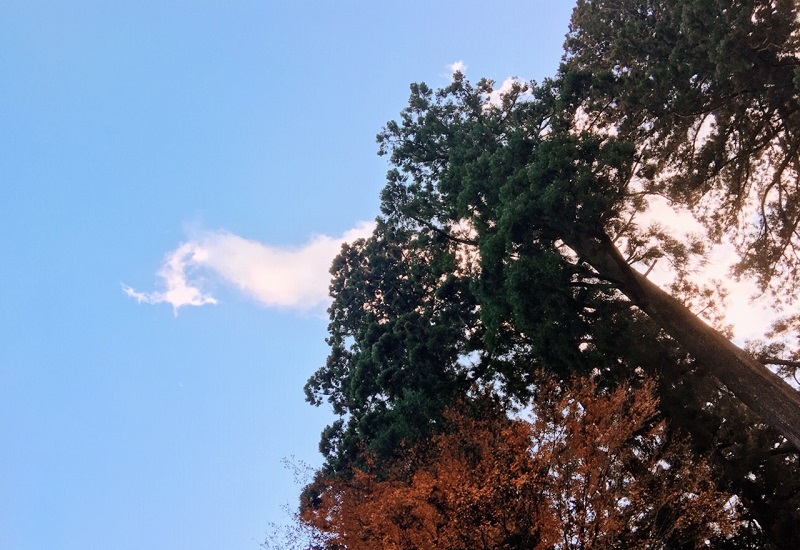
(768, 395)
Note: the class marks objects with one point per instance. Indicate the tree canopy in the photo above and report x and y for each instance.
(708, 92)
(586, 471)
(510, 242)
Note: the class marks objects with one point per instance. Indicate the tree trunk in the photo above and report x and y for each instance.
(764, 392)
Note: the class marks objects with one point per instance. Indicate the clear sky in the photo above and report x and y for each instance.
(156, 156)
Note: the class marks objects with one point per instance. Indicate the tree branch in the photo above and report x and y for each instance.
(780, 362)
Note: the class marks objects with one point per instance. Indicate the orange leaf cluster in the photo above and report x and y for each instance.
(590, 469)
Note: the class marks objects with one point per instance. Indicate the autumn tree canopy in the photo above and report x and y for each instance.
(586, 471)
(510, 241)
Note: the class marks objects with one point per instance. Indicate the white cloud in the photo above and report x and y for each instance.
(179, 291)
(458, 67)
(495, 97)
(278, 277)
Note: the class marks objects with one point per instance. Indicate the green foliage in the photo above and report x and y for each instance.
(401, 323)
(708, 91)
(414, 323)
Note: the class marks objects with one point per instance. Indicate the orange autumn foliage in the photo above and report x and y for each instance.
(588, 470)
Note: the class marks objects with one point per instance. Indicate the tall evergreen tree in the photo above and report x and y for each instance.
(509, 239)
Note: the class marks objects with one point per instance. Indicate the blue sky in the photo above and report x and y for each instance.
(226, 147)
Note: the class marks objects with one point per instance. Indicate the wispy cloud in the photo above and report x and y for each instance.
(179, 290)
(277, 277)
